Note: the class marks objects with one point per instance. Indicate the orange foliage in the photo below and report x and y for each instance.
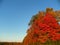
(44, 28)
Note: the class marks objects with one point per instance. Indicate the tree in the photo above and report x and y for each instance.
(44, 29)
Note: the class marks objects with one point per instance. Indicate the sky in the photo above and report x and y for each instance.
(16, 14)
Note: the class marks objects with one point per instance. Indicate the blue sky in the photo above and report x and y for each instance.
(16, 14)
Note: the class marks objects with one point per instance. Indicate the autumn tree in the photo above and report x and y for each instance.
(44, 29)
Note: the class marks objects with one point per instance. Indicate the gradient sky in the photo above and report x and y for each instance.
(16, 14)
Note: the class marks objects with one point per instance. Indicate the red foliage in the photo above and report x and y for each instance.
(46, 30)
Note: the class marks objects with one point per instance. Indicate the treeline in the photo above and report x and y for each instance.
(10, 43)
